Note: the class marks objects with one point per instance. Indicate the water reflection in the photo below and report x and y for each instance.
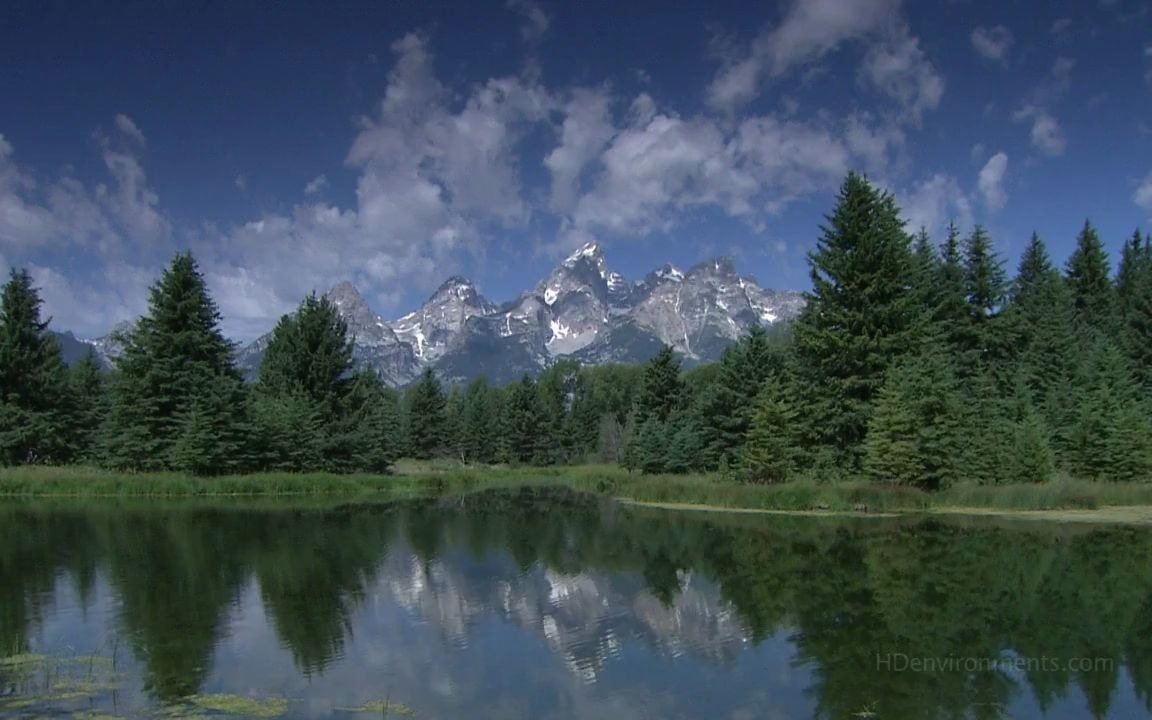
(554, 605)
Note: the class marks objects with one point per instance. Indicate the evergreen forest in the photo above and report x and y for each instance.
(917, 361)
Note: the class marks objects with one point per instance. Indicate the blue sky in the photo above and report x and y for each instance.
(293, 145)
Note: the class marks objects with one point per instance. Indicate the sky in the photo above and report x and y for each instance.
(292, 145)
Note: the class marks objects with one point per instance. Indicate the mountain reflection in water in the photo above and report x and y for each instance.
(550, 604)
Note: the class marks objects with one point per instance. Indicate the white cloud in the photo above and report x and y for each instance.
(1046, 134)
(992, 43)
(126, 126)
(536, 21)
(586, 130)
(468, 155)
(437, 175)
(898, 68)
(316, 185)
(990, 181)
(933, 203)
(240, 182)
(873, 143)
(661, 164)
(809, 30)
(1143, 195)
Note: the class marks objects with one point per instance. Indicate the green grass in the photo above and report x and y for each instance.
(412, 477)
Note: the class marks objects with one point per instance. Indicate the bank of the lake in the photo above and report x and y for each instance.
(1067, 499)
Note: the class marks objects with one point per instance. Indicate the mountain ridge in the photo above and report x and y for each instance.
(582, 309)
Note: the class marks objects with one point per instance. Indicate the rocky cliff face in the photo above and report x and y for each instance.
(582, 309)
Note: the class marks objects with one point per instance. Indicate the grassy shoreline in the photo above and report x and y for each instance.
(707, 492)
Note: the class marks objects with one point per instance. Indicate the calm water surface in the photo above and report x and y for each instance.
(536, 604)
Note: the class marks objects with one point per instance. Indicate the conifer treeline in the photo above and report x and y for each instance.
(910, 364)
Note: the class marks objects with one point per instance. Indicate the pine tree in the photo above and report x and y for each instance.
(661, 390)
(770, 454)
(726, 408)
(210, 439)
(914, 432)
(288, 432)
(1134, 289)
(860, 318)
(175, 360)
(309, 353)
(951, 313)
(1089, 276)
(558, 387)
(927, 268)
(369, 426)
(651, 446)
(426, 416)
(88, 407)
(1033, 273)
(982, 344)
(33, 382)
(479, 423)
(454, 423)
(1032, 457)
(1111, 437)
(523, 416)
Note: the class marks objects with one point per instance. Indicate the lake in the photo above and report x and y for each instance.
(551, 604)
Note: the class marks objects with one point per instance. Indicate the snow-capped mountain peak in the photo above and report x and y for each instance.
(582, 309)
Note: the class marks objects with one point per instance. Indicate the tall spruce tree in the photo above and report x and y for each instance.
(522, 426)
(860, 318)
(34, 395)
(914, 432)
(479, 423)
(1134, 290)
(1111, 435)
(726, 407)
(1039, 320)
(426, 414)
(309, 353)
(770, 454)
(175, 374)
(983, 343)
(88, 403)
(368, 427)
(661, 389)
(1089, 277)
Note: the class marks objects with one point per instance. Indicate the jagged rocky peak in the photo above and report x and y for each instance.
(348, 300)
(721, 266)
(579, 296)
(437, 323)
(456, 286)
(363, 322)
(585, 270)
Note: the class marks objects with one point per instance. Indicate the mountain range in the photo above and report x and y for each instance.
(582, 310)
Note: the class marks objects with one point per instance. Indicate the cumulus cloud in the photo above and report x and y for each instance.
(536, 21)
(990, 181)
(585, 131)
(660, 164)
(316, 185)
(898, 68)
(126, 126)
(809, 30)
(992, 43)
(1045, 134)
(1143, 195)
(438, 173)
(933, 203)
